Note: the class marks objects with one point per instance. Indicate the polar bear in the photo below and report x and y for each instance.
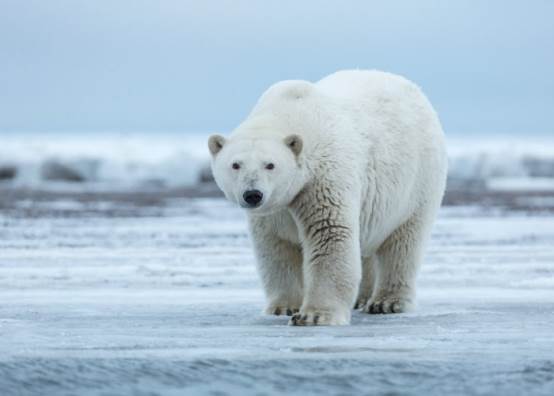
(341, 180)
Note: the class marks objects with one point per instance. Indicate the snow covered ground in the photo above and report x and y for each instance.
(111, 297)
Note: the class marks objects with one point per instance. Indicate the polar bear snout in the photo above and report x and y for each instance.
(253, 198)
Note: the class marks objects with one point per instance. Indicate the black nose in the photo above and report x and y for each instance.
(252, 197)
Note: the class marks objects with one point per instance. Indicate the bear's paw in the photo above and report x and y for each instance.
(281, 309)
(388, 304)
(315, 317)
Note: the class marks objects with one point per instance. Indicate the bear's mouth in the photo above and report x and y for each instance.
(245, 205)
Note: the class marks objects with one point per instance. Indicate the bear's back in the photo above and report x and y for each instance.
(366, 84)
(287, 107)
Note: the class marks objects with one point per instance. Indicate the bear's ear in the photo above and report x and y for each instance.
(294, 142)
(215, 143)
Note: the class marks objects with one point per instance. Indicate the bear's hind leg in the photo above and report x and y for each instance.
(369, 270)
(399, 258)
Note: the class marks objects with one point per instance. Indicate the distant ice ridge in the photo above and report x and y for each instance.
(502, 162)
(112, 161)
(105, 161)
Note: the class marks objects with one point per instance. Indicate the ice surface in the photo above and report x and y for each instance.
(167, 302)
(138, 161)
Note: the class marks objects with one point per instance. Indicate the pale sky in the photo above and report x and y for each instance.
(175, 65)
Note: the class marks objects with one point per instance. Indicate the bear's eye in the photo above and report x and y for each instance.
(270, 166)
(235, 165)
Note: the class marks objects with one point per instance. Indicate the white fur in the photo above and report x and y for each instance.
(344, 221)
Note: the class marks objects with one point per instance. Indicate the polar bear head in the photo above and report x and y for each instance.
(262, 174)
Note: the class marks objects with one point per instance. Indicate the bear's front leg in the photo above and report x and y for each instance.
(329, 227)
(279, 264)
